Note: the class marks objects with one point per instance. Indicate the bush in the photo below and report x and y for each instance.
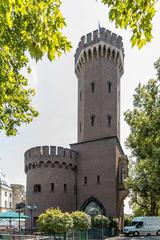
(81, 220)
(113, 222)
(100, 221)
(54, 221)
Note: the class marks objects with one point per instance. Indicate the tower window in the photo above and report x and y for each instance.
(80, 96)
(37, 188)
(65, 187)
(98, 179)
(92, 87)
(80, 127)
(92, 120)
(52, 186)
(85, 180)
(109, 87)
(109, 120)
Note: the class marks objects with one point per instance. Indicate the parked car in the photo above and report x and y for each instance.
(143, 226)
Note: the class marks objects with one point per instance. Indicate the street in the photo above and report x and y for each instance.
(136, 238)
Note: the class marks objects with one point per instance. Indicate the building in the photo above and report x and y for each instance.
(88, 176)
(10, 194)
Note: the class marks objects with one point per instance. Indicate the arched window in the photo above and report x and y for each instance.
(93, 207)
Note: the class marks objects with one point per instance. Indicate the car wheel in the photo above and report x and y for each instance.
(158, 232)
(136, 233)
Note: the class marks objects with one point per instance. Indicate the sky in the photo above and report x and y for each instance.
(56, 87)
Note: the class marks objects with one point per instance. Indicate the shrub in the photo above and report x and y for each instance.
(100, 221)
(81, 220)
(54, 221)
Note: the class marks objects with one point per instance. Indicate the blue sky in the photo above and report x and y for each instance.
(56, 87)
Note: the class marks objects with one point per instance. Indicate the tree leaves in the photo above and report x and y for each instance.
(144, 142)
(33, 26)
(136, 15)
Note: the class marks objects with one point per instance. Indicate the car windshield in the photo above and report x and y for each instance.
(132, 223)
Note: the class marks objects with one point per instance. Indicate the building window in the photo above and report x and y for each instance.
(109, 120)
(80, 96)
(92, 120)
(5, 194)
(80, 127)
(10, 205)
(10, 195)
(65, 187)
(37, 188)
(92, 87)
(109, 87)
(5, 204)
(52, 187)
(98, 179)
(85, 180)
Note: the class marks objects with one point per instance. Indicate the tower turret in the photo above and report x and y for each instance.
(99, 67)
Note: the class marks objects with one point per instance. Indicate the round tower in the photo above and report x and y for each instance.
(51, 178)
(99, 66)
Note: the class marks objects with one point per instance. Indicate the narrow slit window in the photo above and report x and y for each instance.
(85, 180)
(98, 179)
(80, 127)
(52, 187)
(92, 87)
(65, 187)
(109, 118)
(92, 120)
(80, 96)
(109, 87)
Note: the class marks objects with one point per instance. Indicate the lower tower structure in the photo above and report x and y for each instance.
(89, 176)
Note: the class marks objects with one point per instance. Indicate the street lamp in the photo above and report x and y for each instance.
(19, 207)
(31, 208)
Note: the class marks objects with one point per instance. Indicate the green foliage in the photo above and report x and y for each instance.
(137, 15)
(144, 142)
(54, 221)
(100, 221)
(34, 27)
(81, 220)
(113, 222)
(127, 219)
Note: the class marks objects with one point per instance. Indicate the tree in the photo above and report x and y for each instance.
(81, 220)
(137, 15)
(100, 221)
(144, 142)
(53, 221)
(28, 28)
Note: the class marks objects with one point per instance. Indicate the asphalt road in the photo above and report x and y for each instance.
(141, 238)
(138, 238)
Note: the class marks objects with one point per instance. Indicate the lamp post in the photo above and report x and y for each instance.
(31, 208)
(19, 207)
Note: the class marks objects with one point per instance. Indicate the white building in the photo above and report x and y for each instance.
(10, 194)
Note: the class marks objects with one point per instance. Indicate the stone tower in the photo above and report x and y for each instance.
(99, 66)
(102, 165)
(89, 176)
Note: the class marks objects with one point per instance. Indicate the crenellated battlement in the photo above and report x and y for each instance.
(99, 43)
(44, 156)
